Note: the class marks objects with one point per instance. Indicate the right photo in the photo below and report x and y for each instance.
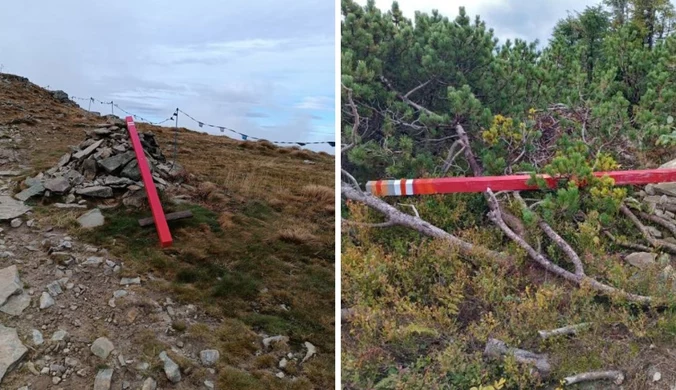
(508, 194)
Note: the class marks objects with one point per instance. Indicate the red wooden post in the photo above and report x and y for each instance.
(155, 206)
(448, 185)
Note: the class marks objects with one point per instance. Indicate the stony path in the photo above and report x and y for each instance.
(75, 314)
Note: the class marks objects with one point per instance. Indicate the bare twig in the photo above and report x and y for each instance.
(627, 244)
(616, 376)
(370, 225)
(417, 88)
(566, 330)
(415, 210)
(353, 181)
(355, 125)
(645, 233)
(554, 236)
(496, 349)
(660, 221)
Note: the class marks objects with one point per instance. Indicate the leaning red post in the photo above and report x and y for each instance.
(155, 205)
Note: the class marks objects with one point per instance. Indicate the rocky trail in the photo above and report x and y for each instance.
(72, 316)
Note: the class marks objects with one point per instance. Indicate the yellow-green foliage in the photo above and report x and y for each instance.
(422, 313)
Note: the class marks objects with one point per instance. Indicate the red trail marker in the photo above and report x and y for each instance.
(449, 185)
(155, 206)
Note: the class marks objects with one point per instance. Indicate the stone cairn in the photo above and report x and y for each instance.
(103, 166)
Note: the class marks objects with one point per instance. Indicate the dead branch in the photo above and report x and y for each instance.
(496, 349)
(417, 88)
(645, 233)
(415, 210)
(452, 155)
(405, 99)
(353, 181)
(566, 330)
(545, 263)
(629, 245)
(355, 125)
(396, 217)
(554, 236)
(370, 225)
(660, 221)
(616, 376)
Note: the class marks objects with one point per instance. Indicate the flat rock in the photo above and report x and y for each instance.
(87, 151)
(149, 384)
(37, 337)
(669, 165)
(46, 301)
(668, 189)
(171, 369)
(113, 163)
(96, 192)
(311, 351)
(60, 335)
(128, 281)
(16, 222)
(91, 219)
(12, 208)
(209, 357)
(103, 379)
(10, 284)
(102, 347)
(58, 185)
(93, 260)
(16, 304)
(35, 189)
(11, 350)
(65, 159)
(274, 339)
(641, 259)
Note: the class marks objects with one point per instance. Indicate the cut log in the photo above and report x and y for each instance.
(170, 217)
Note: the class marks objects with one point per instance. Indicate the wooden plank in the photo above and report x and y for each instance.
(161, 225)
(170, 217)
(448, 185)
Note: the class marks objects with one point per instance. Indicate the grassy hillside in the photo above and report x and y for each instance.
(258, 255)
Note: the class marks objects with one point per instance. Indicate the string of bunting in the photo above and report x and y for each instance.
(201, 124)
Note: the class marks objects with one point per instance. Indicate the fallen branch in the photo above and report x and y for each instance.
(545, 263)
(397, 217)
(660, 221)
(645, 233)
(566, 330)
(616, 376)
(629, 245)
(496, 349)
(554, 236)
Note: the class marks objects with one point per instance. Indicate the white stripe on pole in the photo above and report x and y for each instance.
(397, 187)
(409, 187)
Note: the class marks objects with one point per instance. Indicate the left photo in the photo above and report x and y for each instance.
(167, 200)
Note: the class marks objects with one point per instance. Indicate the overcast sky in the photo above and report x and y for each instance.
(263, 67)
(510, 19)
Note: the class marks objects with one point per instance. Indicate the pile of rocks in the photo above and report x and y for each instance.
(104, 165)
(660, 199)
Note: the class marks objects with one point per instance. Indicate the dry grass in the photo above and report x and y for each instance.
(298, 235)
(320, 194)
